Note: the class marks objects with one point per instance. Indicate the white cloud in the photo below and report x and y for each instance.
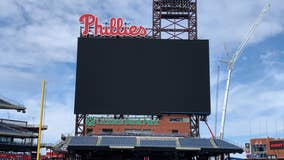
(227, 22)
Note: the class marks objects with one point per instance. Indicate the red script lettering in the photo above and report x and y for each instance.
(115, 28)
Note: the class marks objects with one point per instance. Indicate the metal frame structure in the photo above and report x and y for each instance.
(174, 19)
(194, 121)
(80, 125)
(194, 125)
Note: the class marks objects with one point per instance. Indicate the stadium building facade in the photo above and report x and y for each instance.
(265, 148)
(17, 137)
(169, 124)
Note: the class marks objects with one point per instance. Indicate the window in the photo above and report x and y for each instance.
(179, 119)
(138, 131)
(5, 140)
(89, 131)
(174, 131)
(176, 119)
(106, 130)
(259, 150)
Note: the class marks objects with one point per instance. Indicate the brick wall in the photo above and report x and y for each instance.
(270, 151)
(165, 126)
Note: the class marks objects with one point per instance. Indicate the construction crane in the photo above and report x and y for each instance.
(233, 61)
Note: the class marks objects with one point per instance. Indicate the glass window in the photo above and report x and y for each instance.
(176, 119)
(106, 130)
(175, 131)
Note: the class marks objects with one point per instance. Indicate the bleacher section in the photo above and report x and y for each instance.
(195, 142)
(2, 102)
(223, 144)
(83, 141)
(118, 141)
(12, 139)
(17, 135)
(7, 105)
(6, 130)
(158, 143)
(123, 142)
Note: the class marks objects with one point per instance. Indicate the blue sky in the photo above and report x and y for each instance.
(39, 41)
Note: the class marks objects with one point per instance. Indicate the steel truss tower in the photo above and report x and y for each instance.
(80, 124)
(172, 19)
(175, 19)
(194, 125)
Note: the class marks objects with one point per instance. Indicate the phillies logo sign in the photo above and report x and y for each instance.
(115, 27)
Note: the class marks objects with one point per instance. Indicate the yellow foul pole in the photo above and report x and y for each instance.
(40, 120)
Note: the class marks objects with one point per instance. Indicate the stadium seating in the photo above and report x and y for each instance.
(4, 129)
(195, 142)
(83, 141)
(7, 130)
(118, 141)
(222, 144)
(158, 143)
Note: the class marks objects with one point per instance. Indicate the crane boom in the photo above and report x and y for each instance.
(250, 33)
(233, 61)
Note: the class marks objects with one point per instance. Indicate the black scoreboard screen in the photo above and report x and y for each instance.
(142, 76)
